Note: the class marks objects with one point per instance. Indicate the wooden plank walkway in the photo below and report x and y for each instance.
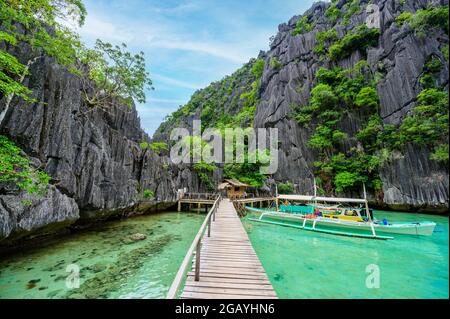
(229, 266)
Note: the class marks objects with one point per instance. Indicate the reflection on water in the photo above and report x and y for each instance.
(303, 264)
(111, 265)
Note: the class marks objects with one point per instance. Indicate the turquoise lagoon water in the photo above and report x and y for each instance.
(300, 264)
(111, 266)
(305, 264)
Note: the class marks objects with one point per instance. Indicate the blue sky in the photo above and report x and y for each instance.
(187, 44)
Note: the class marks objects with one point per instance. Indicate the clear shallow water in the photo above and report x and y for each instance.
(111, 266)
(304, 264)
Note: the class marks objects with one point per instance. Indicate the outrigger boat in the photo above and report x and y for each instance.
(336, 219)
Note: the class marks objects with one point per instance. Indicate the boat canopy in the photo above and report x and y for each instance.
(307, 198)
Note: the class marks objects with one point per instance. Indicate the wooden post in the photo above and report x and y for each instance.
(197, 261)
(209, 226)
(315, 191)
(199, 206)
(179, 206)
(277, 204)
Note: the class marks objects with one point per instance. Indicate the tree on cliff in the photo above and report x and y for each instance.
(34, 22)
(105, 72)
(112, 70)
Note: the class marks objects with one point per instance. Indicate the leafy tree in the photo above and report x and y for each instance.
(258, 68)
(430, 71)
(247, 172)
(369, 135)
(114, 72)
(159, 146)
(17, 169)
(428, 123)
(323, 97)
(429, 19)
(247, 112)
(360, 39)
(156, 147)
(34, 22)
(444, 51)
(148, 194)
(345, 180)
(285, 188)
(302, 26)
(367, 97)
(403, 17)
(440, 153)
(323, 37)
(275, 63)
(351, 8)
(333, 13)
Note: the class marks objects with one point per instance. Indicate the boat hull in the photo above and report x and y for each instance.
(418, 229)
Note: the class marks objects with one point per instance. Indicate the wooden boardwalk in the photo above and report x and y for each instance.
(229, 266)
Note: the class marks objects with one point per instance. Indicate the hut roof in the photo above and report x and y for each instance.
(223, 185)
(235, 182)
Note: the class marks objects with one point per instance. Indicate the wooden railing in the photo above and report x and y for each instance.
(195, 246)
(207, 196)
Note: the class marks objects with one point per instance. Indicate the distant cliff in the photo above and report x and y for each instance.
(396, 58)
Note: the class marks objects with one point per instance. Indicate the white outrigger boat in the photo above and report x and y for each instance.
(337, 219)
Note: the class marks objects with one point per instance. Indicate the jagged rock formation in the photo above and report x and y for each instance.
(411, 180)
(92, 155)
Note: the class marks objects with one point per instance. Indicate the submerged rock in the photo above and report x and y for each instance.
(137, 237)
(97, 267)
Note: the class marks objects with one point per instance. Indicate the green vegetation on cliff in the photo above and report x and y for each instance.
(302, 26)
(17, 169)
(285, 188)
(218, 103)
(360, 38)
(339, 93)
(229, 103)
(36, 17)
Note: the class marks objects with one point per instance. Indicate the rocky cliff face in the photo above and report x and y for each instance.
(410, 180)
(93, 156)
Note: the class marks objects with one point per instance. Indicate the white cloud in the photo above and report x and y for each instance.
(181, 8)
(202, 47)
(178, 83)
(166, 101)
(157, 36)
(97, 28)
